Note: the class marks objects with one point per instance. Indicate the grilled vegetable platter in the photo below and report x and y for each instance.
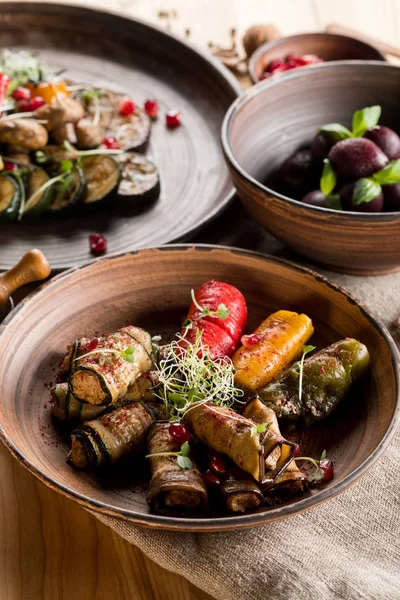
(212, 412)
(68, 146)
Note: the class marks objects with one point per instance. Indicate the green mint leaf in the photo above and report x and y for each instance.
(365, 191)
(66, 166)
(365, 119)
(223, 311)
(323, 455)
(328, 178)
(184, 462)
(335, 132)
(333, 201)
(188, 324)
(389, 175)
(185, 449)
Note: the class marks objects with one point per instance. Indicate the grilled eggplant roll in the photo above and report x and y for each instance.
(240, 492)
(113, 435)
(235, 436)
(67, 408)
(282, 454)
(170, 485)
(327, 377)
(292, 482)
(104, 375)
(74, 350)
(274, 345)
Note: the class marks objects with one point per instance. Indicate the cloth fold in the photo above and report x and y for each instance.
(347, 548)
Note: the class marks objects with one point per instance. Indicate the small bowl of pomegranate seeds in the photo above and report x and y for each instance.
(304, 50)
(315, 157)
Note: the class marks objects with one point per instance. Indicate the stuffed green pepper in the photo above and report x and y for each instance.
(314, 391)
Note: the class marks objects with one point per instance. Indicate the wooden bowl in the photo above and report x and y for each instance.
(271, 120)
(328, 46)
(152, 288)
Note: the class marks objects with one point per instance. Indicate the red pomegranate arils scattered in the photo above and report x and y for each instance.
(127, 107)
(21, 93)
(179, 433)
(217, 464)
(327, 466)
(9, 166)
(93, 344)
(210, 479)
(98, 244)
(250, 340)
(173, 118)
(111, 143)
(151, 108)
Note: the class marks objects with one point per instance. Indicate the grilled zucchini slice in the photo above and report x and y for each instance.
(103, 175)
(140, 180)
(34, 180)
(69, 197)
(10, 197)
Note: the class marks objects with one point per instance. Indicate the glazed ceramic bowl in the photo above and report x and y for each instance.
(274, 118)
(328, 46)
(152, 288)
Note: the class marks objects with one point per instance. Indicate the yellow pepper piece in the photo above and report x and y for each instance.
(281, 339)
(48, 91)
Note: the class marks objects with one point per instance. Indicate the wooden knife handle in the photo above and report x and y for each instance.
(33, 266)
(381, 46)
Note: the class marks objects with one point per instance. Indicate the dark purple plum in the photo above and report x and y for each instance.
(346, 200)
(321, 145)
(354, 158)
(298, 174)
(315, 198)
(391, 193)
(387, 140)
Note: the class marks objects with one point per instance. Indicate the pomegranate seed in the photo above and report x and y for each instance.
(111, 143)
(36, 103)
(275, 64)
(21, 93)
(9, 166)
(250, 340)
(210, 479)
(173, 118)
(23, 105)
(151, 108)
(179, 433)
(217, 464)
(327, 466)
(311, 59)
(93, 344)
(127, 107)
(265, 75)
(98, 244)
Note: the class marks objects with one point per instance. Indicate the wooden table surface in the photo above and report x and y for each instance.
(50, 548)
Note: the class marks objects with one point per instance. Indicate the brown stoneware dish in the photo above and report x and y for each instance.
(328, 46)
(152, 288)
(273, 119)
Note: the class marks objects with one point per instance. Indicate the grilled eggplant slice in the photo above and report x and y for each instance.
(102, 174)
(112, 436)
(240, 492)
(140, 180)
(292, 482)
(170, 485)
(70, 193)
(237, 436)
(119, 359)
(80, 346)
(11, 194)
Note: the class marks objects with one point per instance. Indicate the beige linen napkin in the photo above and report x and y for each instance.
(347, 548)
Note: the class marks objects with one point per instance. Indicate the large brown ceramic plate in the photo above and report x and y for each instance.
(110, 51)
(152, 288)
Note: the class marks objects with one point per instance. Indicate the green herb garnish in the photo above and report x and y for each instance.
(222, 311)
(365, 190)
(95, 151)
(306, 350)
(328, 178)
(183, 459)
(365, 119)
(262, 428)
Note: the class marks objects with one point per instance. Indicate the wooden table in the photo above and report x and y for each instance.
(50, 548)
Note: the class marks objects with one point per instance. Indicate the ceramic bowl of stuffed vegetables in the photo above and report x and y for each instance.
(196, 388)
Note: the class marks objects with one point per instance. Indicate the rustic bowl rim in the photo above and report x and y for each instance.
(261, 50)
(225, 523)
(265, 85)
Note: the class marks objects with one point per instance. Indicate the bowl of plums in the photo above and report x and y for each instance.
(281, 55)
(315, 157)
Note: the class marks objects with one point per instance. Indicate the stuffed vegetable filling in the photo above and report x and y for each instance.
(206, 408)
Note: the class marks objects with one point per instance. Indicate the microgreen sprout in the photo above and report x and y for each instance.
(306, 350)
(127, 354)
(183, 459)
(92, 95)
(323, 468)
(80, 153)
(187, 376)
(261, 428)
(222, 311)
